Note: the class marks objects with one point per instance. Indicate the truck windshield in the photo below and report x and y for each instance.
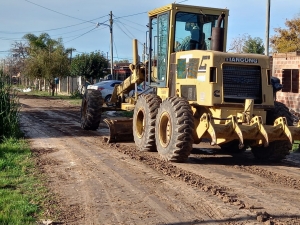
(193, 31)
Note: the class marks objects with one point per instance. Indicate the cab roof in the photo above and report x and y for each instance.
(186, 8)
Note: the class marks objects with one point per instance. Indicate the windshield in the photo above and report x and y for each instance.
(193, 31)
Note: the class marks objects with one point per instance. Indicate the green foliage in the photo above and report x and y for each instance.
(76, 95)
(246, 44)
(48, 65)
(47, 58)
(254, 45)
(296, 146)
(9, 112)
(287, 40)
(89, 65)
(20, 191)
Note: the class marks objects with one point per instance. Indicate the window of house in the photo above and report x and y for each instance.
(290, 80)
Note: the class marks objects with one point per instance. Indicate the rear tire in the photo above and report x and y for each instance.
(232, 147)
(91, 109)
(174, 129)
(107, 98)
(144, 116)
(277, 150)
(279, 110)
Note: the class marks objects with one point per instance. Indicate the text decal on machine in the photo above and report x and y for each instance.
(241, 60)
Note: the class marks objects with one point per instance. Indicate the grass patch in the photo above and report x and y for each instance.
(74, 99)
(126, 113)
(75, 102)
(21, 192)
(295, 147)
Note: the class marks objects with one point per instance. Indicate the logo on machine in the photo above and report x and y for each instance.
(241, 60)
(217, 93)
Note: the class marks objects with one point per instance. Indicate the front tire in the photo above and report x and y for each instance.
(276, 150)
(144, 116)
(91, 109)
(174, 129)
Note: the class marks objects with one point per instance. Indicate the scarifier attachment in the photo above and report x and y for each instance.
(251, 129)
(254, 131)
(120, 130)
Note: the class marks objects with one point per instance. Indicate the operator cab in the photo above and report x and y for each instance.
(175, 27)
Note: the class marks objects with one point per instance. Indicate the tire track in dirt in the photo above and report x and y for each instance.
(91, 175)
(226, 193)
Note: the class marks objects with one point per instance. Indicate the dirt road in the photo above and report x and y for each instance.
(97, 183)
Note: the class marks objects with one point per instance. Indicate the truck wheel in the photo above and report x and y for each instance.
(91, 108)
(232, 147)
(144, 115)
(174, 127)
(279, 110)
(276, 151)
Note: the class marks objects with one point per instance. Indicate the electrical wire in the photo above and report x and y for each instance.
(10, 39)
(57, 11)
(116, 50)
(72, 31)
(131, 15)
(127, 34)
(130, 21)
(118, 20)
(81, 35)
(5, 32)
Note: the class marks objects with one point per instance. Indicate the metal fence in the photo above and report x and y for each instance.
(67, 85)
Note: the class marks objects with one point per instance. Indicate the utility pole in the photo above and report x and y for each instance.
(267, 28)
(111, 43)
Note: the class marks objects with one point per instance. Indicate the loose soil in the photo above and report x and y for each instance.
(92, 182)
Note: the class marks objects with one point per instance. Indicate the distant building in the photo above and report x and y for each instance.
(121, 71)
(286, 67)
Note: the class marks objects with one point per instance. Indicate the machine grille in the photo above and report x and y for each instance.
(242, 82)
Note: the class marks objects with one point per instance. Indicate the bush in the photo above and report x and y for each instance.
(9, 112)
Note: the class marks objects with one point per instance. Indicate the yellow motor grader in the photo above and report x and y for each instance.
(200, 92)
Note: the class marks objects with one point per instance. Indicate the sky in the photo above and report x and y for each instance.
(75, 21)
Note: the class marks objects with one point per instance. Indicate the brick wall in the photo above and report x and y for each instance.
(288, 61)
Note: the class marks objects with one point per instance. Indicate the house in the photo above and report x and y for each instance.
(286, 66)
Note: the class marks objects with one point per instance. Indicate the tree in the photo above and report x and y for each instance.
(18, 54)
(47, 59)
(287, 40)
(247, 44)
(254, 45)
(90, 66)
(122, 61)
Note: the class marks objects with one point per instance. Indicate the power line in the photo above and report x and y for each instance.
(127, 34)
(72, 31)
(118, 21)
(10, 39)
(57, 11)
(124, 31)
(5, 32)
(131, 15)
(81, 35)
(131, 21)
(116, 49)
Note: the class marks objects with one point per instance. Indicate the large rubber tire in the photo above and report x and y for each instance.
(91, 109)
(279, 110)
(232, 147)
(144, 116)
(275, 152)
(174, 127)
